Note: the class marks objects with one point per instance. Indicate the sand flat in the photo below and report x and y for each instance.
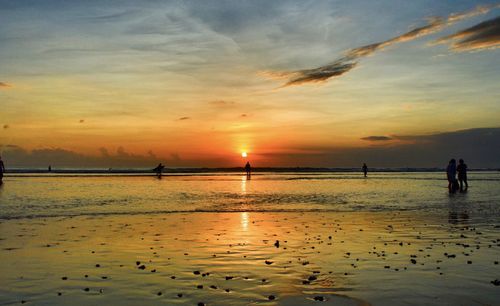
(233, 258)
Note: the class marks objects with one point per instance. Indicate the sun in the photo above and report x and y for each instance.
(244, 154)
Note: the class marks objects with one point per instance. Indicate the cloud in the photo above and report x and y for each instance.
(315, 75)
(351, 58)
(6, 126)
(485, 35)
(479, 147)
(82, 120)
(16, 156)
(4, 85)
(184, 118)
(221, 103)
(376, 138)
(175, 157)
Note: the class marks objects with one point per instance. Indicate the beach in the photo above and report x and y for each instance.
(359, 250)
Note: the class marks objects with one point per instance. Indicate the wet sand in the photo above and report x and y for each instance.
(246, 258)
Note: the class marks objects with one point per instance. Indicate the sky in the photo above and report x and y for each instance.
(292, 83)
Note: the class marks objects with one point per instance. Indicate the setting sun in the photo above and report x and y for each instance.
(244, 154)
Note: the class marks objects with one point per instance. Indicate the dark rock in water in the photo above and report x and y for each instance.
(172, 277)
(277, 244)
(199, 286)
(413, 261)
(271, 297)
(59, 293)
(196, 272)
(179, 295)
(97, 265)
(319, 298)
(159, 293)
(496, 262)
(137, 263)
(213, 286)
(201, 304)
(268, 262)
(312, 278)
(86, 276)
(86, 289)
(496, 282)
(228, 290)
(64, 278)
(306, 282)
(469, 262)
(142, 267)
(229, 277)
(153, 271)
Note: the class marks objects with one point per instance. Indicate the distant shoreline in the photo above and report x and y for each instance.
(224, 170)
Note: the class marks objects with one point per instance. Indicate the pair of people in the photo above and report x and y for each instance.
(451, 173)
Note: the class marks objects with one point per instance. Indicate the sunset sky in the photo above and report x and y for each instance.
(293, 83)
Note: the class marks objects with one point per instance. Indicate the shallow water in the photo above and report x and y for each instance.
(63, 195)
(390, 239)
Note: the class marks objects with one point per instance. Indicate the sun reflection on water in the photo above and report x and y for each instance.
(244, 221)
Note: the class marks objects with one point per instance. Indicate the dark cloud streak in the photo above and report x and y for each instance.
(351, 58)
(376, 138)
(485, 35)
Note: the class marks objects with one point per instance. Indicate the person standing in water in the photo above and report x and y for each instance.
(159, 170)
(462, 174)
(365, 169)
(451, 173)
(2, 170)
(248, 169)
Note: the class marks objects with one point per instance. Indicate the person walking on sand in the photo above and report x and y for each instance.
(451, 173)
(365, 169)
(2, 170)
(462, 174)
(248, 169)
(159, 170)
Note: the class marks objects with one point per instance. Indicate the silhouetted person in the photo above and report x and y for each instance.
(365, 169)
(50, 168)
(248, 169)
(159, 170)
(451, 173)
(462, 174)
(2, 169)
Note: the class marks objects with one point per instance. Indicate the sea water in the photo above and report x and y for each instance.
(52, 195)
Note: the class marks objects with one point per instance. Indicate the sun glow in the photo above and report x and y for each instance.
(244, 154)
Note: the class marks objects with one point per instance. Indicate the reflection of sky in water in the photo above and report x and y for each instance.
(57, 195)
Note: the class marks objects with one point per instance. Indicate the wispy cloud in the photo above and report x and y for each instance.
(6, 126)
(485, 35)
(184, 118)
(4, 85)
(221, 103)
(351, 58)
(376, 138)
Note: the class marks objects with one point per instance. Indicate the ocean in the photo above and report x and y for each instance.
(55, 195)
